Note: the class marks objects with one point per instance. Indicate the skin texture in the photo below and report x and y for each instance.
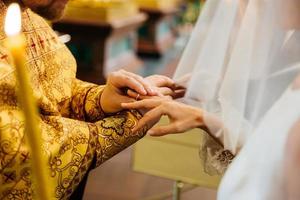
(137, 88)
(291, 20)
(290, 15)
(164, 86)
(113, 94)
(182, 117)
(292, 164)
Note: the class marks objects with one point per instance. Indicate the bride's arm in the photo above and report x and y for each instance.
(182, 118)
(292, 155)
(292, 164)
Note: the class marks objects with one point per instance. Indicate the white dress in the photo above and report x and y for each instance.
(257, 171)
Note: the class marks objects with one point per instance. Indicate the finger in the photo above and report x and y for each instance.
(149, 119)
(131, 83)
(165, 91)
(143, 104)
(174, 94)
(163, 81)
(136, 96)
(131, 93)
(147, 86)
(160, 98)
(179, 87)
(164, 130)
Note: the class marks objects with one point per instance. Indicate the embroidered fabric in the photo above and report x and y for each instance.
(215, 159)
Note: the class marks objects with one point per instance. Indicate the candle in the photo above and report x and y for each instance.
(16, 44)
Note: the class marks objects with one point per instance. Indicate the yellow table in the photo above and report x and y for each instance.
(175, 157)
(157, 4)
(101, 11)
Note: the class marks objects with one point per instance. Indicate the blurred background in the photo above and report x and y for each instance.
(145, 37)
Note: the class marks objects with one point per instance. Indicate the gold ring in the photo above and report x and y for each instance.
(137, 97)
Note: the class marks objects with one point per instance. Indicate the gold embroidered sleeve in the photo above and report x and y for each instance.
(85, 103)
(114, 134)
(85, 143)
(71, 146)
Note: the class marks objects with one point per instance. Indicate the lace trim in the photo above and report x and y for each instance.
(214, 157)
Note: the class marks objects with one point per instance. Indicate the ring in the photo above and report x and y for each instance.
(137, 97)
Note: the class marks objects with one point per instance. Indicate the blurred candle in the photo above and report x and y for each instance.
(16, 45)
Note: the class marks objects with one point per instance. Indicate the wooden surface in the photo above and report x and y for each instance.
(151, 40)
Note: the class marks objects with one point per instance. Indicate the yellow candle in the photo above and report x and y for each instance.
(16, 45)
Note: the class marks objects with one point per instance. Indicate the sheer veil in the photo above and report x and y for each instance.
(242, 56)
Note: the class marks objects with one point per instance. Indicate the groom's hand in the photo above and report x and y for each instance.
(164, 87)
(117, 82)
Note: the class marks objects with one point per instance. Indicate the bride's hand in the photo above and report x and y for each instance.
(182, 117)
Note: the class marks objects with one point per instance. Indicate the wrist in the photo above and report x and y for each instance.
(102, 101)
(199, 121)
(110, 100)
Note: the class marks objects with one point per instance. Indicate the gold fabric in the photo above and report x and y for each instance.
(74, 128)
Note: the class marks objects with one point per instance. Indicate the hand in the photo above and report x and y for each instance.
(113, 94)
(182, 117)
(164, 86)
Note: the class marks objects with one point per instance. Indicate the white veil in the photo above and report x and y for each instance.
(242, 58)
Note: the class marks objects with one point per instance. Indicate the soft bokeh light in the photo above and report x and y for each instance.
(13, 20)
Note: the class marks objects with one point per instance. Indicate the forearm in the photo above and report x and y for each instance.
(213, 126)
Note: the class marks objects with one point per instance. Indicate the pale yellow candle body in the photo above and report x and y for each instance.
(16, 45)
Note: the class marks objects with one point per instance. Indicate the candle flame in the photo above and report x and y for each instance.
(13, 20)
